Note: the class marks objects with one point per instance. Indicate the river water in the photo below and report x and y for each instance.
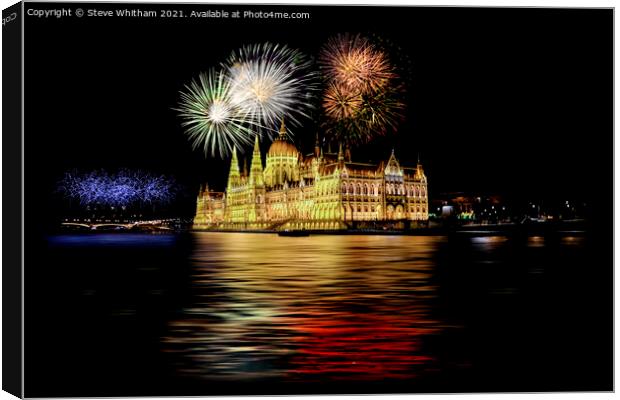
(233, 313)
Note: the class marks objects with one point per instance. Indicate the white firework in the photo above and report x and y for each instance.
(271, 82)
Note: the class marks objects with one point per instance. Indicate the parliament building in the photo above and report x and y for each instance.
(319, 191)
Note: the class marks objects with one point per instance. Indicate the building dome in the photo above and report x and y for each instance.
(283, 160)
(281, 146)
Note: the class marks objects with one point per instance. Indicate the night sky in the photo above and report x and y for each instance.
(509, 101)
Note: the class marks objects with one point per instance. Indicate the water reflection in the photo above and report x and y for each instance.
(573, 240)
(487, 243)
(323, 307)
(98, 239)
(215, 313)
(536, 241)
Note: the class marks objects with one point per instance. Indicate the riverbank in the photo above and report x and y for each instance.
(573, 227)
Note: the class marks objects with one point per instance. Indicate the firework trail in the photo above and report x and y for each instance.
(211, 119)
(270, 82)
(362, 98)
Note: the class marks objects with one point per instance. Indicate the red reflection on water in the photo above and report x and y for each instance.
(320, 308)
(368, 347)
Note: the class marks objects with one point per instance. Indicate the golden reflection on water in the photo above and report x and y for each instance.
(536, 241)
(572, 240)
(306, 308)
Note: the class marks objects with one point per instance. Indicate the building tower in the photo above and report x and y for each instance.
(256, 187)
(340, 155)
(256, 169)
(234, 176)
(317, 146)
(394, 189)
(232, 211)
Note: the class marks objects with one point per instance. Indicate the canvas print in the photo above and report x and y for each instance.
(294, 199)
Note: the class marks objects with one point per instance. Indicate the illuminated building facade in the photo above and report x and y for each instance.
(314, 192)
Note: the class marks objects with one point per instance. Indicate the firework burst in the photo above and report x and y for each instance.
(382, 110)
(123, 188)
(211, 119)
(341, 103)
(361, 99)
(355, 63)
(270, 82)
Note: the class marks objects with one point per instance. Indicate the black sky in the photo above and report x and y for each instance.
(515, 101)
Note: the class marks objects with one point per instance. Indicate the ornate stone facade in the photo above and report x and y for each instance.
(314, 192)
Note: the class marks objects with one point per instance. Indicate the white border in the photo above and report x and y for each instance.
(505, 3)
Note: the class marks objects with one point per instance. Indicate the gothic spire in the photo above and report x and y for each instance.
(317, 146)
(245, 167)
(256, 169)
(347, 153)
(233, 175)
(282, 129)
